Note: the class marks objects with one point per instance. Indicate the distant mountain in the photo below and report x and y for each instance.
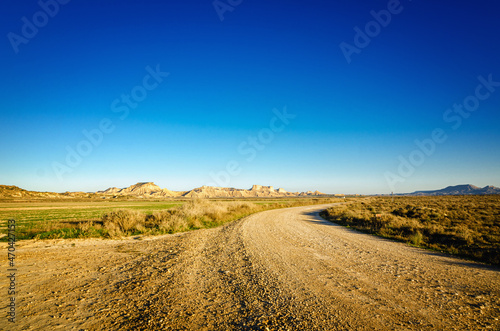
(461, 190)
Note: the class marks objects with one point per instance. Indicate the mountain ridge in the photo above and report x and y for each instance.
(463, 189)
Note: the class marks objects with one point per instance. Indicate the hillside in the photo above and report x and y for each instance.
(14, 192)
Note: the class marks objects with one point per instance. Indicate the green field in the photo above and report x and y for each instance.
(35, 218)
(26, 213)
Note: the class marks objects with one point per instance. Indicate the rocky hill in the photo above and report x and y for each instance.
(151, 190)
(14, 192)
(146, 190)
(461, 190)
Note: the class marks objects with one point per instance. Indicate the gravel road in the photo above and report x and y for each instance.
(285, 269)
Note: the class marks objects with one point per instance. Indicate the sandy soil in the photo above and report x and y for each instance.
(282, 269)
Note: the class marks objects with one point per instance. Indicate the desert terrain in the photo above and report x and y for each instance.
(283, 269)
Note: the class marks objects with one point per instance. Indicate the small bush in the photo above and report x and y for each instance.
(417, 238)
(123, 221)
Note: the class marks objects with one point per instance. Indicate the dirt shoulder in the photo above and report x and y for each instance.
(277, 270)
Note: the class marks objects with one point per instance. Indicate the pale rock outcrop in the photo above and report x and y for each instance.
(151, 190)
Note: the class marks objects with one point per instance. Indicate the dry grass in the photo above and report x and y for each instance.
(199, 214)
(123, 221)
(468, 226)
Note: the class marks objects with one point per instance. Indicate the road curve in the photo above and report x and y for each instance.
(285, 269)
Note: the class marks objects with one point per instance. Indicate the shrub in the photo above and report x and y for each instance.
(417, 238)
(123, 221)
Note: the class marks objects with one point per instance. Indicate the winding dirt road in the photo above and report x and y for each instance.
(284, 269)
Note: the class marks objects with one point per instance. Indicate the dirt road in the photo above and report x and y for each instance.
(283, 269)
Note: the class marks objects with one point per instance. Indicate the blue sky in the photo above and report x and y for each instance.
(168, 92)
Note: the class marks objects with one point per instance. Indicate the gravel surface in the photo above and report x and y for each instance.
(285, 269)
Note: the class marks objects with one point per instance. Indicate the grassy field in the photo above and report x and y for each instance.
(95, 218)
(45, 219)
(466, 226)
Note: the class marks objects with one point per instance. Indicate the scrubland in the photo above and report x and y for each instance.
(465, 226)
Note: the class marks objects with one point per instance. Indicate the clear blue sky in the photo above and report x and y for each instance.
(350, 104)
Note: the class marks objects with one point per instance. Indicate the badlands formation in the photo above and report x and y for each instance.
(151, 190)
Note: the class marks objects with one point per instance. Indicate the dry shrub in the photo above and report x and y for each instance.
(172, 222)
(192, 208)
(152, 221)
(123, 221)
(199, 213)
(195, 214)
(217, 211)
(417, 238)
(86, 226)
(464, 233)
